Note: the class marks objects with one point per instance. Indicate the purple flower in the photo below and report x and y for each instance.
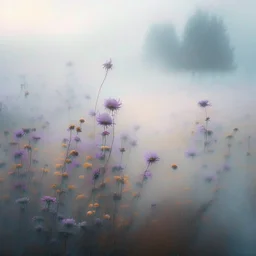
(48, 199)
(98, 222)
(108, 65)
(77, 139)
(210, 177)
(117, 168)
(36, 138)
(151, 158)
(69, 223)
(101, 156)
(226, 167)
(92, 113)
(204, 103)
(18, 154)
(105, 120)
(112, 104)
(105, 133)
(190, 153)
(147, 175)
(96, 175)
(19, 134)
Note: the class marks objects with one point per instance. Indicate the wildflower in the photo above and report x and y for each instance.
(81, 120)
(105, 120)
(57, 173)
(92, 113)
(105, 148)
(112, 104)
(22, 201)
(96, 205)
(18, 166)
(54, 186)
(105, 133)
(190, 153)
(106, 217)
(48, 199)
(152, 158)
(81, 177)
(204, 103)
(136, 195)
(73, 153)
(27, 147)
(147, 174)
(88, 158)
(65, 140)
(90, 205)
(117, 168)
(96, 174)
(98, 222)
(36, 138)
(45, 170)
(69, 223)
(18, 154)
(87, 165)
(89, 213)
(174, 166)
(80, 197)
(101, 156)
(78, 129)
(77, 139)
(83, 225)
(68, 161)
(235, 130)
(108, 65)
(65, 175)
(71, 127)
(71, 187)
(19, 134)
(58, 166)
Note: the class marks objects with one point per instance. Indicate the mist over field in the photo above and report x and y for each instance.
(200, 199)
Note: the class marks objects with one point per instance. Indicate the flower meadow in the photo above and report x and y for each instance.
(85, 196)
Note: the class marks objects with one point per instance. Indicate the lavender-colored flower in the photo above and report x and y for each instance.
(204, 103)
(105, 133)
(77, 139)
(69, 223)
(22, 201)
(105, 120)
(48, 199)
(101, 156)
(226, 167)
(117, 168)
(108, 65)
(147, 175)
(92, 113)
(151, 158)
(96, 174)
(19, 134)
(98, 222)
(65, 140)
(112, 104)
(190, 153)
(36, 138)
(210, 177)
(18, 154)
(26, 130)
(133, 143)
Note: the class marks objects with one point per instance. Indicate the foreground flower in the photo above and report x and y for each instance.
(204, 103)
(105, 120)
(48, 199)
(69, 223)
(152, 158)
(112, 104)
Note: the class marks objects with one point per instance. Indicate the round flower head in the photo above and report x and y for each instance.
(69, 223)
(48, 199)
(112, 104)
(190, 153)
(204, 103)
(19, 134)
(105, 120)
(92, 113)
(152, 158)
(108, 65)
(105, 133)
(147, 175)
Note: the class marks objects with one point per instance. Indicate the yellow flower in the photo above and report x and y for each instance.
(81, 177)
(54, 186)
(73, 153)
(65, 175)
(78, 129)
(71, 127)
(106, 216)
(88, 158)
(71, 187)
(18, 166)
(27, 147)
(81, 120)
(64, 145)
(45, 170)
(80, 197)
(96, 205)
(105, 148)
(68, 161)
(90, 205)
(87, 165)
(57, 174)
(58, 166)
(89, 213)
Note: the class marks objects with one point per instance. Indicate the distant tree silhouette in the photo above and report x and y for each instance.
(205, 45)
(162, 46)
